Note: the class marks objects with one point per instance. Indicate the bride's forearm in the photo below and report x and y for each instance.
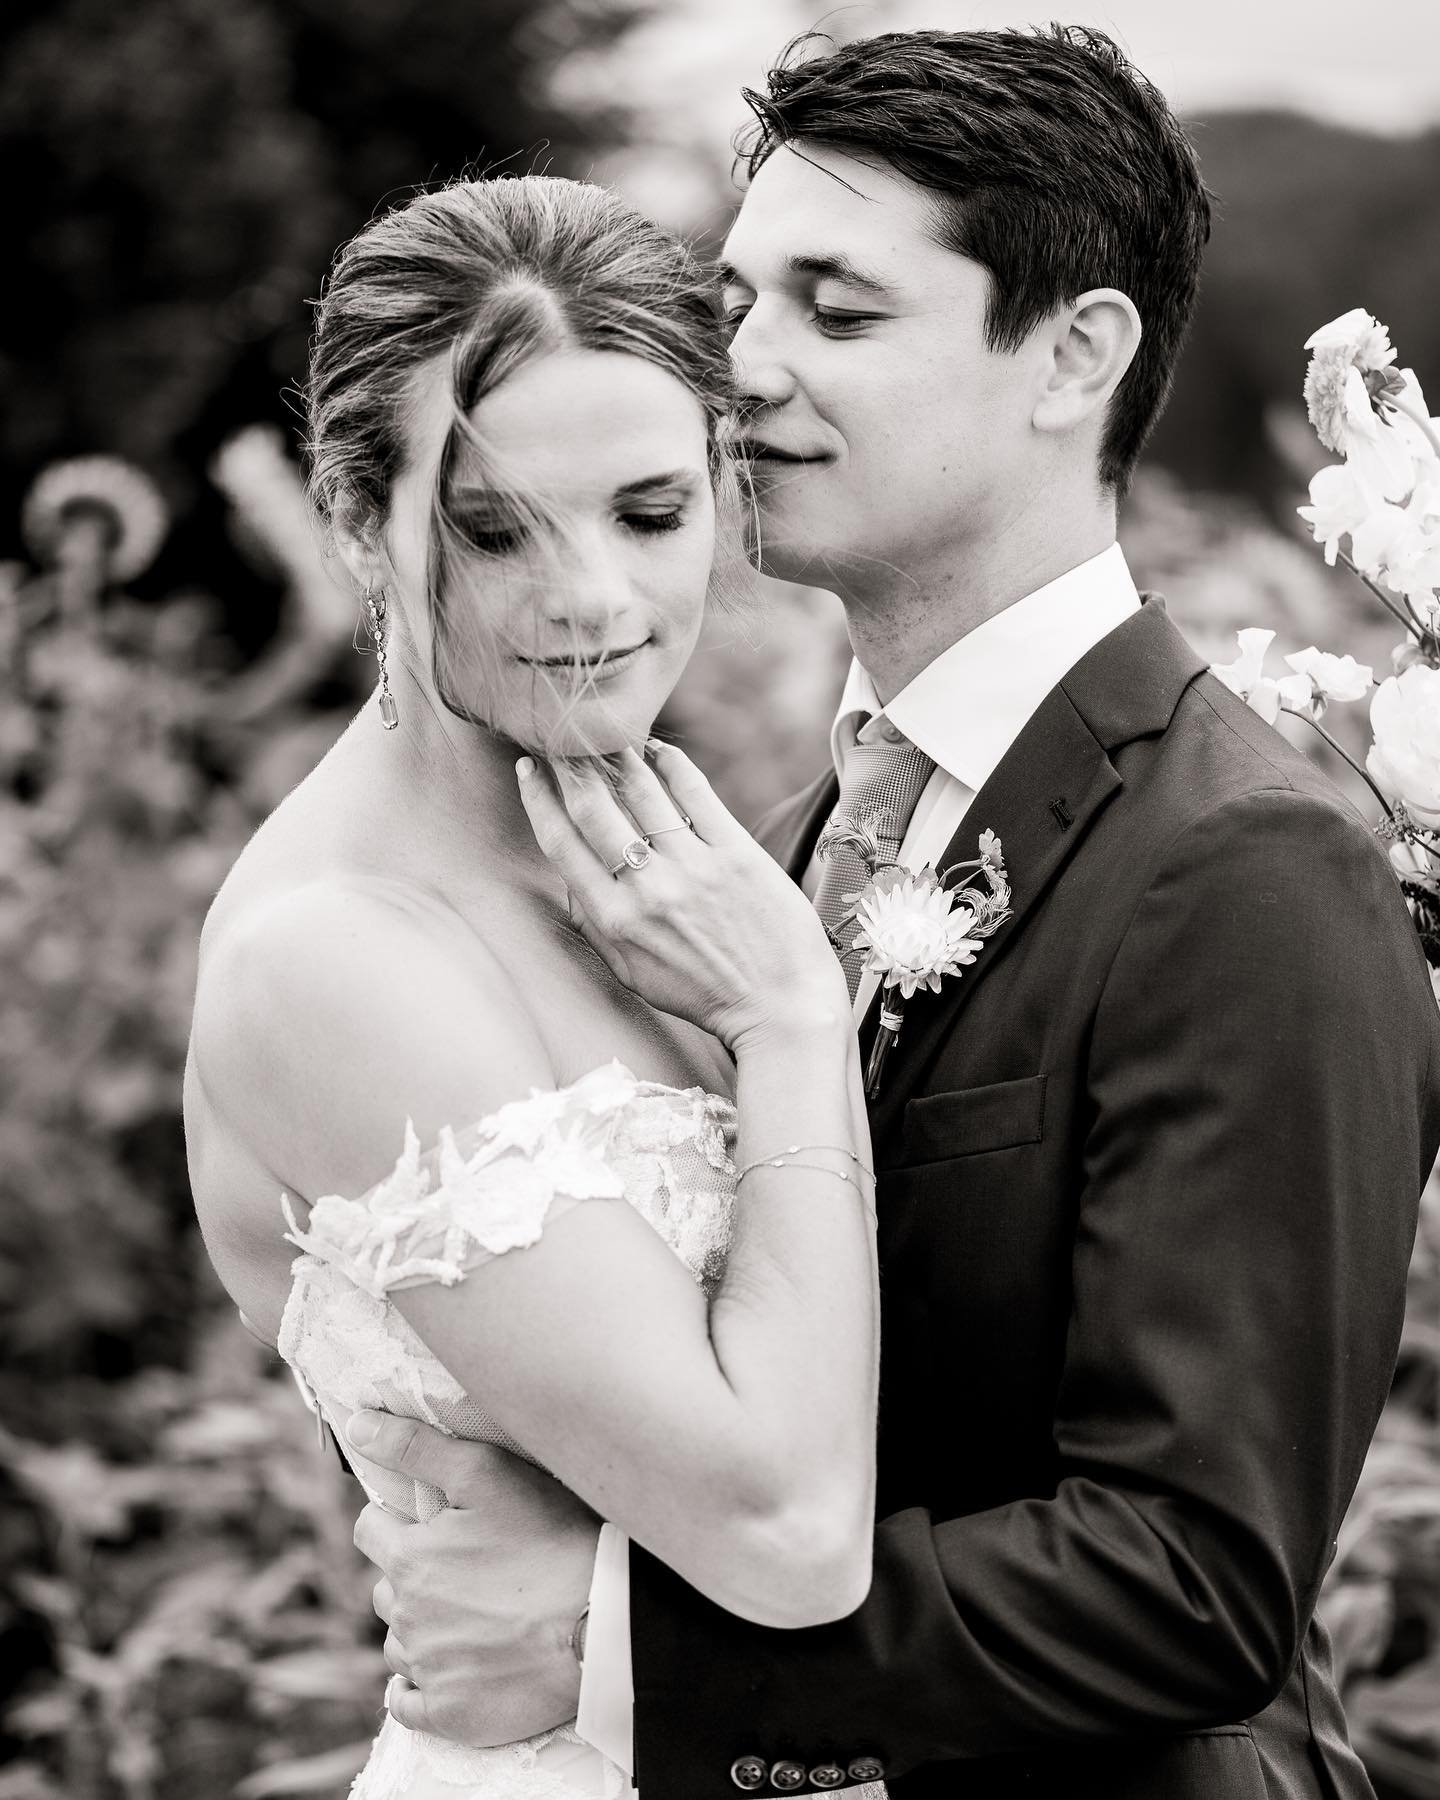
(794, 1324)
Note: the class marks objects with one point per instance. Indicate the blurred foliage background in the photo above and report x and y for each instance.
(180, 1609)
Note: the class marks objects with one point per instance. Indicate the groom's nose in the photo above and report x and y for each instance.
(762, 373)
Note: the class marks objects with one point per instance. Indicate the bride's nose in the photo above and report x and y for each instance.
(592, 589)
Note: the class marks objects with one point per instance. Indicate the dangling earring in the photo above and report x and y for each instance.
(375, 604)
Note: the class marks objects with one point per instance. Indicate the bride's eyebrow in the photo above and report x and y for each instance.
(477, 494)
(649, 485)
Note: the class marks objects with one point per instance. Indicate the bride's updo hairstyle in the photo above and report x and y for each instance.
(492, 274)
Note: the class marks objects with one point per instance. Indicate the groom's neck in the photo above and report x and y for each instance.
(898, 626)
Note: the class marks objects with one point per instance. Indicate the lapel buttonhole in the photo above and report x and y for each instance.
(1061, 809)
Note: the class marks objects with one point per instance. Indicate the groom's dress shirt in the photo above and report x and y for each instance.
(964, 710)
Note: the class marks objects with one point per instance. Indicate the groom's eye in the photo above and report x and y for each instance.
(841, 324)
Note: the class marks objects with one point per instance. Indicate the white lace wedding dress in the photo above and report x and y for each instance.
(482, 1191)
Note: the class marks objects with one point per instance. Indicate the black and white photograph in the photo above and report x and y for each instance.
(720, 900)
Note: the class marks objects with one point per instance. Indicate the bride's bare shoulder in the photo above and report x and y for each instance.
(329, 1012)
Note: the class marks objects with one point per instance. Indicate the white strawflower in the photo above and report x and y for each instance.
(915, 934)
(1349, 373)
(1246, 677)
(1357, 336)
(1333, 677)
(1404, 760)
(1354, 344)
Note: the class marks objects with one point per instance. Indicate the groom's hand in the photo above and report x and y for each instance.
(481, 1600)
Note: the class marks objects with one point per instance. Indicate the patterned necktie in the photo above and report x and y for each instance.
(878, 790)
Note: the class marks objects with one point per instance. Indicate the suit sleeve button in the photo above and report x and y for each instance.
(787, 1776)
(827, 1775)
(748, 1773)
(865, 1768)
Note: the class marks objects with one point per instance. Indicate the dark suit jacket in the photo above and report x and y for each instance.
(1149, 1174)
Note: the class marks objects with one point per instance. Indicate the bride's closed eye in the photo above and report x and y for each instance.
(491, 531)
(654, 524)
(496, 541)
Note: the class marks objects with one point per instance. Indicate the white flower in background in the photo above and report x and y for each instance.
(1400, 546)
(1246, 677)
(1357, 338)
(1404, 760)
(1348, 379)
(1352, 346)
(1409, 655)
(1405, 408)
(1334, 678)
(915, 934)
(1339, 506)
(1412, 862)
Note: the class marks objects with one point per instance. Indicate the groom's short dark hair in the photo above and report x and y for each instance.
(1058, 167)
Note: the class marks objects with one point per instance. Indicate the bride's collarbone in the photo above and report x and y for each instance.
(582, 1014)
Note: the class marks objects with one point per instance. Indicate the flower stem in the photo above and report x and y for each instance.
(1417, 416)
(892, 1009)
(1345, 756)
(1406, 618)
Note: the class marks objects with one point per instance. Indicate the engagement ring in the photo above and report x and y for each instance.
(635, 855)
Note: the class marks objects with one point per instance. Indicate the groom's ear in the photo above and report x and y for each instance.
(1089, 346)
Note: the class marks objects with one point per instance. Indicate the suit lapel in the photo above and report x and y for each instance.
(790, 831)
(1040, 802)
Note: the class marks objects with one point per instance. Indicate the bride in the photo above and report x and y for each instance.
(587, 1181)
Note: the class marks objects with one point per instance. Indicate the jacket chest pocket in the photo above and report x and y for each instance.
(972, 1121)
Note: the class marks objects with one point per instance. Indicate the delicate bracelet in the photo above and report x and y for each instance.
(818, 1169)
(772, 1161)
(576, 1639)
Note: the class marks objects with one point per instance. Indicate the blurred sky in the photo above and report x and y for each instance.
(1374, 65)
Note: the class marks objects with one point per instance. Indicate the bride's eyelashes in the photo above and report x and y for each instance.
(654, 524)
(493, 542)
(503, 540)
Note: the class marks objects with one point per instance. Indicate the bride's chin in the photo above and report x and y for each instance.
(592, 734)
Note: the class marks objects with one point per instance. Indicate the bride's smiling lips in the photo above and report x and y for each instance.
(604, 666)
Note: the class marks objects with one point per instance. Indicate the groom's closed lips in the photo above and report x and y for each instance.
(761, 450)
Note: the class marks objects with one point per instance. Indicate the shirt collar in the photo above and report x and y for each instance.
(967, 707)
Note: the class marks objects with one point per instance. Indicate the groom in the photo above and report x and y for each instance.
(1149, 1168)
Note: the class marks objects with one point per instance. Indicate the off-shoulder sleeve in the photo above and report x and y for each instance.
(475, 1194)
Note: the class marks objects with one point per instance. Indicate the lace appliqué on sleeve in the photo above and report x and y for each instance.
(439, 1214)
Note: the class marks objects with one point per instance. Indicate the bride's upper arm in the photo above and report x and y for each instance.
(326, 1019)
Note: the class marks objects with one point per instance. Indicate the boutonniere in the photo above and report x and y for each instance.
(918, 929)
